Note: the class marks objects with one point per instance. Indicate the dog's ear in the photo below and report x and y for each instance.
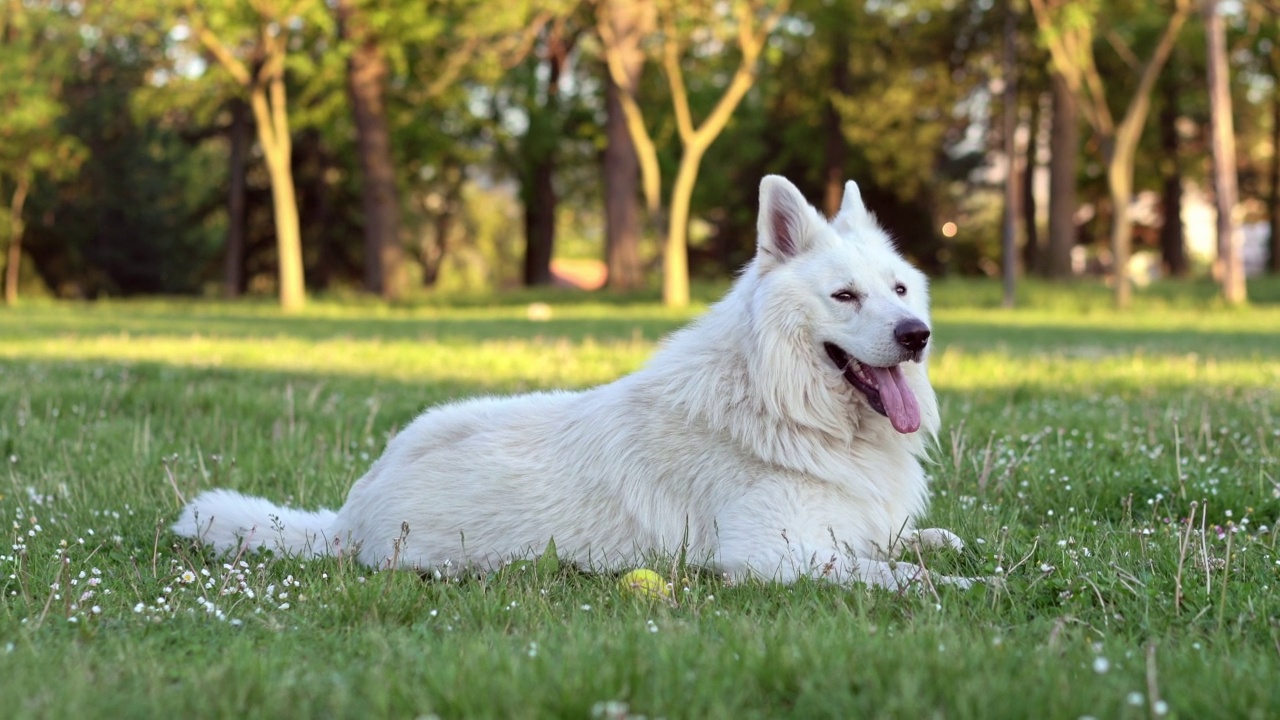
(787, 221)
(852, 210)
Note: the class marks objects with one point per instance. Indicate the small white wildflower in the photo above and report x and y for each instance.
(1160, 707)
(1101, 665)
(187, 577)
(1134, 698)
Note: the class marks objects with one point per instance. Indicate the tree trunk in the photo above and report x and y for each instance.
(1064, 150)
(269, 101)
(539, 221)
(1120, 187)
(675, 260)
(1173, 252)
(366, 85)
(238, 135)
(16, 229)
(1009, 236)
(432, 256)
(277, 149)
(621, 165)
(540, 154)
(1031, 250)
(837, 149)
(1274, 200)
(1230, 251)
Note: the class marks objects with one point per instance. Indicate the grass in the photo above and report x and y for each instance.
(1119, 471)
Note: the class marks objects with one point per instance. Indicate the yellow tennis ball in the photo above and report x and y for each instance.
(644, 582)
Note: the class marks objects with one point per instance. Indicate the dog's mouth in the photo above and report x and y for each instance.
(885, 388)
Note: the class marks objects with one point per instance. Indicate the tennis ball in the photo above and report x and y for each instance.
(646, 582)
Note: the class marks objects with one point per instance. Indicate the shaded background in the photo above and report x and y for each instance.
(146, 147)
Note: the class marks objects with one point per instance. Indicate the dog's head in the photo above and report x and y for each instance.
(856, 308)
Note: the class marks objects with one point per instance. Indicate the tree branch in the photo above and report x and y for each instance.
(1122, 49)
(1136, 114)
(452, 67)
(751, 43)
(675, 76)
(1072, 55)
(239, 72)
(645, 148)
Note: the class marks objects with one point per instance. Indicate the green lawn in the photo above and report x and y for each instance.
(1120, 471)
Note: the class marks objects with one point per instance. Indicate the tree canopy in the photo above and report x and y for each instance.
(280, 146)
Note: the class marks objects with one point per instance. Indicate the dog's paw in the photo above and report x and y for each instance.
(938, 538)
(956, 581)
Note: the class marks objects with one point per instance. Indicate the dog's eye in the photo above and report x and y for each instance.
(900, 289)
(845, 296)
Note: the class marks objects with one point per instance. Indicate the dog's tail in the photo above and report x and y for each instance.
(230, 522)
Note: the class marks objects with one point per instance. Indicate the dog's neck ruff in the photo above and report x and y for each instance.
(885, 388)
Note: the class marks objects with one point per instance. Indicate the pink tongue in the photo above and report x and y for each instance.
(899, 402)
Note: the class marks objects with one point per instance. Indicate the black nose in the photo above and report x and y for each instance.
(912, 334)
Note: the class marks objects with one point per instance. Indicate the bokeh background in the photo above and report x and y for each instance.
(286, 148)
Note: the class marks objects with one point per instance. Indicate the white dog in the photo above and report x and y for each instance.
(778, 436)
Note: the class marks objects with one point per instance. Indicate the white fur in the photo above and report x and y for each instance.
(740, 442)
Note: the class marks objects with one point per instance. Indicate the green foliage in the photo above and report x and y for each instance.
(467, 106)
(138, 217)
(36, 50)
(1075, 442)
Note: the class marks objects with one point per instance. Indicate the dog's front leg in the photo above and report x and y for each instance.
(937, 538)
(896, 575)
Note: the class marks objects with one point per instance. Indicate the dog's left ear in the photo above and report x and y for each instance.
(852, 210)
(787, 221)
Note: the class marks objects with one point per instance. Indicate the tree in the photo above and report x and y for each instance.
(1273, 174)
(1173, 252)
(630, 21)
(1068, 29)
(238, 130)
(1064, 155)
(836, 147)
(540, 146)
(367, 71)
(253, 49)
(34, 51)
(753, 23)
(1009, 230)
(1223, 142)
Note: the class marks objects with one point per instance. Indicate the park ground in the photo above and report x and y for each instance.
(1119, 472)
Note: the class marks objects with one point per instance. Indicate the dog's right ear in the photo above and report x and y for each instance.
(787, 221)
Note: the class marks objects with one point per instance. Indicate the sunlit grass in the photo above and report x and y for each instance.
(1121, 472)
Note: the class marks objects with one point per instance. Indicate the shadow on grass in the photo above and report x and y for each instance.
(124, 321)
(1075, 340)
